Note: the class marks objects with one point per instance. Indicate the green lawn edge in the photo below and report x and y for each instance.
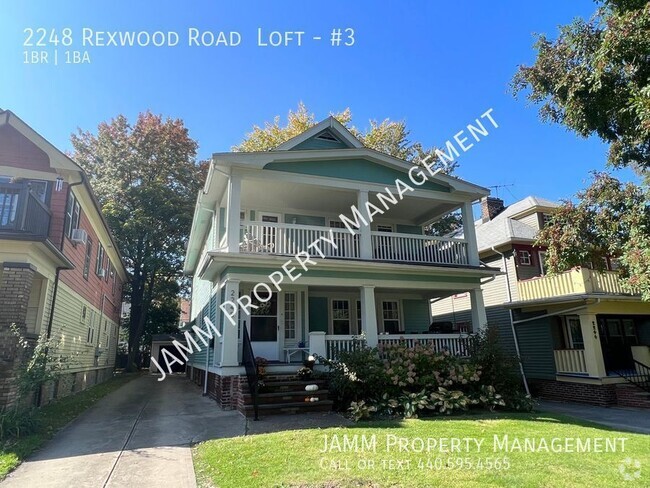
(288, 458)
(52, 418)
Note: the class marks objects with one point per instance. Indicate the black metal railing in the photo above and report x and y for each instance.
(639, 376)
(21, 211)
(248, 358)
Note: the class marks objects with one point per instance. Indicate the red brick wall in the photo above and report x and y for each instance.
(603, 395)
(632, 396)
(18, 151)
(93, 288)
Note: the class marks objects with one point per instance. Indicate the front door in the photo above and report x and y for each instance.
(264, 328)
(617, 336)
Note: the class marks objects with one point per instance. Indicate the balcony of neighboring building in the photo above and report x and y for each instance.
(23, 213)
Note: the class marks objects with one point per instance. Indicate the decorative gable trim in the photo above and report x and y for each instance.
(332, 126)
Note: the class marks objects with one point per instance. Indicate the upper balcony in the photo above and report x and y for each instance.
(290, 239)
(22, 214)
(577, 281)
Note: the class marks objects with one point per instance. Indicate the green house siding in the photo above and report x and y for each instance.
(416, 316)
(222, 223)
(304, 220)
(408, 229)
(536, 347)
(351, 169)
(318, 320)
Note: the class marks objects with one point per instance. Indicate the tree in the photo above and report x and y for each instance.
(610, 219)
(594, 79)
(146, 180)
(389, 137)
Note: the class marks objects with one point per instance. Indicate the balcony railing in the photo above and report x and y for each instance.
(455, 344)
(21, 212)
(578, 281)
(387, 246)
(289, 239)
(570, 361)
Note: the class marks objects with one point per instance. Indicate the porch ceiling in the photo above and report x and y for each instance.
(275, 194)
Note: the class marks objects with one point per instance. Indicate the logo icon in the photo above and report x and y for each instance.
(630, 469)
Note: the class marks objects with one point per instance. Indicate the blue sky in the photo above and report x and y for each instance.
(437, 65)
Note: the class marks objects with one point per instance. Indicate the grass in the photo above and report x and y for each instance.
(52, 418)
(293, 458)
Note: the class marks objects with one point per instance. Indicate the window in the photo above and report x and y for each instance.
(39, 190)
(390, 313)
(574, 333)
(89, 253)
(546, 219)
(384, 228)
(99, 265)
(542, 262)
(359, 329)
(113, 279)
(341, 317)
(289, 315)
(91, 328)
(524, 258)
(72, 215)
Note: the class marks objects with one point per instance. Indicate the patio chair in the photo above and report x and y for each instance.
(253, 244)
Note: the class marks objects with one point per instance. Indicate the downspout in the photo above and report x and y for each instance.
(512, 324)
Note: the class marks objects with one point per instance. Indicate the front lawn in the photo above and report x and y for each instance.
(52, 418)
(398, 455)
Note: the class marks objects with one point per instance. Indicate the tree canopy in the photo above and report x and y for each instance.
(146, 180)
(595, 79)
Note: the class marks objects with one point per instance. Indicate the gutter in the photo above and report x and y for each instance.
(512, 323)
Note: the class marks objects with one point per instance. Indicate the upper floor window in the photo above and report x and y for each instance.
(525, 258)
(72, 215)
(113, 279)
(546, 219)
(39, 190)
(542, 262)
(99, 264)
(384, 228)
(89, 253)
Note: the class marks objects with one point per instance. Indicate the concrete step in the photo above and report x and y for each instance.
(290, 408)
(271, 386)
(285, 397)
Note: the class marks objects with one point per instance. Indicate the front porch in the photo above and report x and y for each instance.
(324, 320)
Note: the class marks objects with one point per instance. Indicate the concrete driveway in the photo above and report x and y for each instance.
(137, 436)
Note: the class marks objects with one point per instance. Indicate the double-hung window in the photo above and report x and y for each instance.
(341, 317)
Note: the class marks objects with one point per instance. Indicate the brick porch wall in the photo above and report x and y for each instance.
(15, 288)
(225, 390)
(601, 395)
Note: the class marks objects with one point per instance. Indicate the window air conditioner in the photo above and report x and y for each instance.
(79, 236)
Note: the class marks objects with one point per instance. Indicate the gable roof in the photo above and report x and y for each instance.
(329, 126)
(504, 228)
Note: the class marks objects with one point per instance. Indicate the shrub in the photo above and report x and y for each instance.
(361, 410)
(16, 422)
(446, 401)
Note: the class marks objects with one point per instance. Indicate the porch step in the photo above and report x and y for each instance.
(272, 386)
(285, 397)
(289, 408)
(628, 395)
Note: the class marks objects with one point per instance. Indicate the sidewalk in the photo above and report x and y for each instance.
(629, 419)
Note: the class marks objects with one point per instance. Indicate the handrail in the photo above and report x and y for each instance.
(248, 358)
(640, 377)
(417, 236)
(282, 225)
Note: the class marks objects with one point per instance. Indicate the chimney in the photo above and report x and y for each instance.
(490, 208)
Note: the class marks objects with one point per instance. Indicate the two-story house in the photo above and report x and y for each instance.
(579, 334)
(61, 273)
(258, 210)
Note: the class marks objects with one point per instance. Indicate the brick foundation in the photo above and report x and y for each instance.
(632, 396)
(15, 287)
(225, 390)
(601, 395)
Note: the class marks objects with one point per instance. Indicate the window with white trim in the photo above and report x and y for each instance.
(390, 315)
(359, 329)
(99, 264)
(341, 317)
(524, 258)
(289, 315)
(542, 262)
(72, 215)
(573, 333)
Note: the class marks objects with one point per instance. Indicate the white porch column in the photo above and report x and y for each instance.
(369, 314)
(229, 332)
(233, 212)
(469, 231)
(593, 351)
(365, 240)
(479, 318)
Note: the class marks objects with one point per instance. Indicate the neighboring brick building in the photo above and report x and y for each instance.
(61, 273)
